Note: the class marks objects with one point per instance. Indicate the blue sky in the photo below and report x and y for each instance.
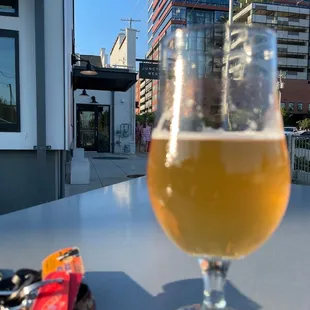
(97, 23)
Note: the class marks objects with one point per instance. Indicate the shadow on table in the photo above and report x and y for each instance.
(236, 300)
(117, 291)
(188, 292)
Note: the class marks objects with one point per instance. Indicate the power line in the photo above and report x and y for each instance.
(136, 5)
(193, 7)
(6, 75)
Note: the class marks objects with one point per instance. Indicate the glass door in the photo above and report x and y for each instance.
(104, 129)
(86, 127)
(93, 127)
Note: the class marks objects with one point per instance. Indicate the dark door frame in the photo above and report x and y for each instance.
(86, 108)
(101, 146)
(96, 109)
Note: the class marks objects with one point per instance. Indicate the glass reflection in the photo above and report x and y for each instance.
(8, 113)
(8, 7)
(122, 194)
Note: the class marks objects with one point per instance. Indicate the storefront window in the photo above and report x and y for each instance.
(9, 81)
(9, 7)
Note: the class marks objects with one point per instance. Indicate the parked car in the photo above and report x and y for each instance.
(305, 134)
(290, 131)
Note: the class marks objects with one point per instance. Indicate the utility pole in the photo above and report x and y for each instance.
(280, 84)
(130, 20)
(11, 94)
(230, 12)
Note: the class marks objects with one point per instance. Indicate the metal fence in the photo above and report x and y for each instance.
(299, 150)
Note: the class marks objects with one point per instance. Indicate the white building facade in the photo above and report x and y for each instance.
(36, 100)
(105, 119)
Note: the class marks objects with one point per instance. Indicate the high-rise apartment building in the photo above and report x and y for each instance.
(291, 21)
(164, 17)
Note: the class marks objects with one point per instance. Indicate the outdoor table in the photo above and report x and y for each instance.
(131, 265)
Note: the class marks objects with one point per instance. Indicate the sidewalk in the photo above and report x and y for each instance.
(108, 169)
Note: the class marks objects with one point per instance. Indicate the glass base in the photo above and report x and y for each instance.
(214, 273)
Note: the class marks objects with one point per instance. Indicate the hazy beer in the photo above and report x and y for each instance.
(223, 194)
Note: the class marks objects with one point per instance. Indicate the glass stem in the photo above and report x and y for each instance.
(214, 272)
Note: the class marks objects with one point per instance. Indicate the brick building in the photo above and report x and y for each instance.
(296, 96)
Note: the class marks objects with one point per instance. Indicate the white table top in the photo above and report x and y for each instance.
(131, 265)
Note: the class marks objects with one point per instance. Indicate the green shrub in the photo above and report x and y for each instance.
(301, 164)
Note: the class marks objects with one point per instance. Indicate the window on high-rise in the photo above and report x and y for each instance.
(209, 2)
(201, 40)
(179, 13)
(190, 19)
(192, 41)
(199, 17)
(299, 106)
(201, 65)
(220, 16)
(209, 17)
(174, 27)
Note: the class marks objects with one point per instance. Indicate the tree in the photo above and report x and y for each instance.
(223, 19)
(7, 111)
(284, 112)
(287, 117)
(304, 124)
(149, 116)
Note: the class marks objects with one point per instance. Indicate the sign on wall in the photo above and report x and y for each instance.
(148, 71)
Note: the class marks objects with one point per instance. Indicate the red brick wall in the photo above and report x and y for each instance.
(297, 91)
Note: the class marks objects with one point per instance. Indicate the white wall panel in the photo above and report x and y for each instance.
(25, 25)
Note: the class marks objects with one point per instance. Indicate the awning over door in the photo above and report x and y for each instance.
(110, 79)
